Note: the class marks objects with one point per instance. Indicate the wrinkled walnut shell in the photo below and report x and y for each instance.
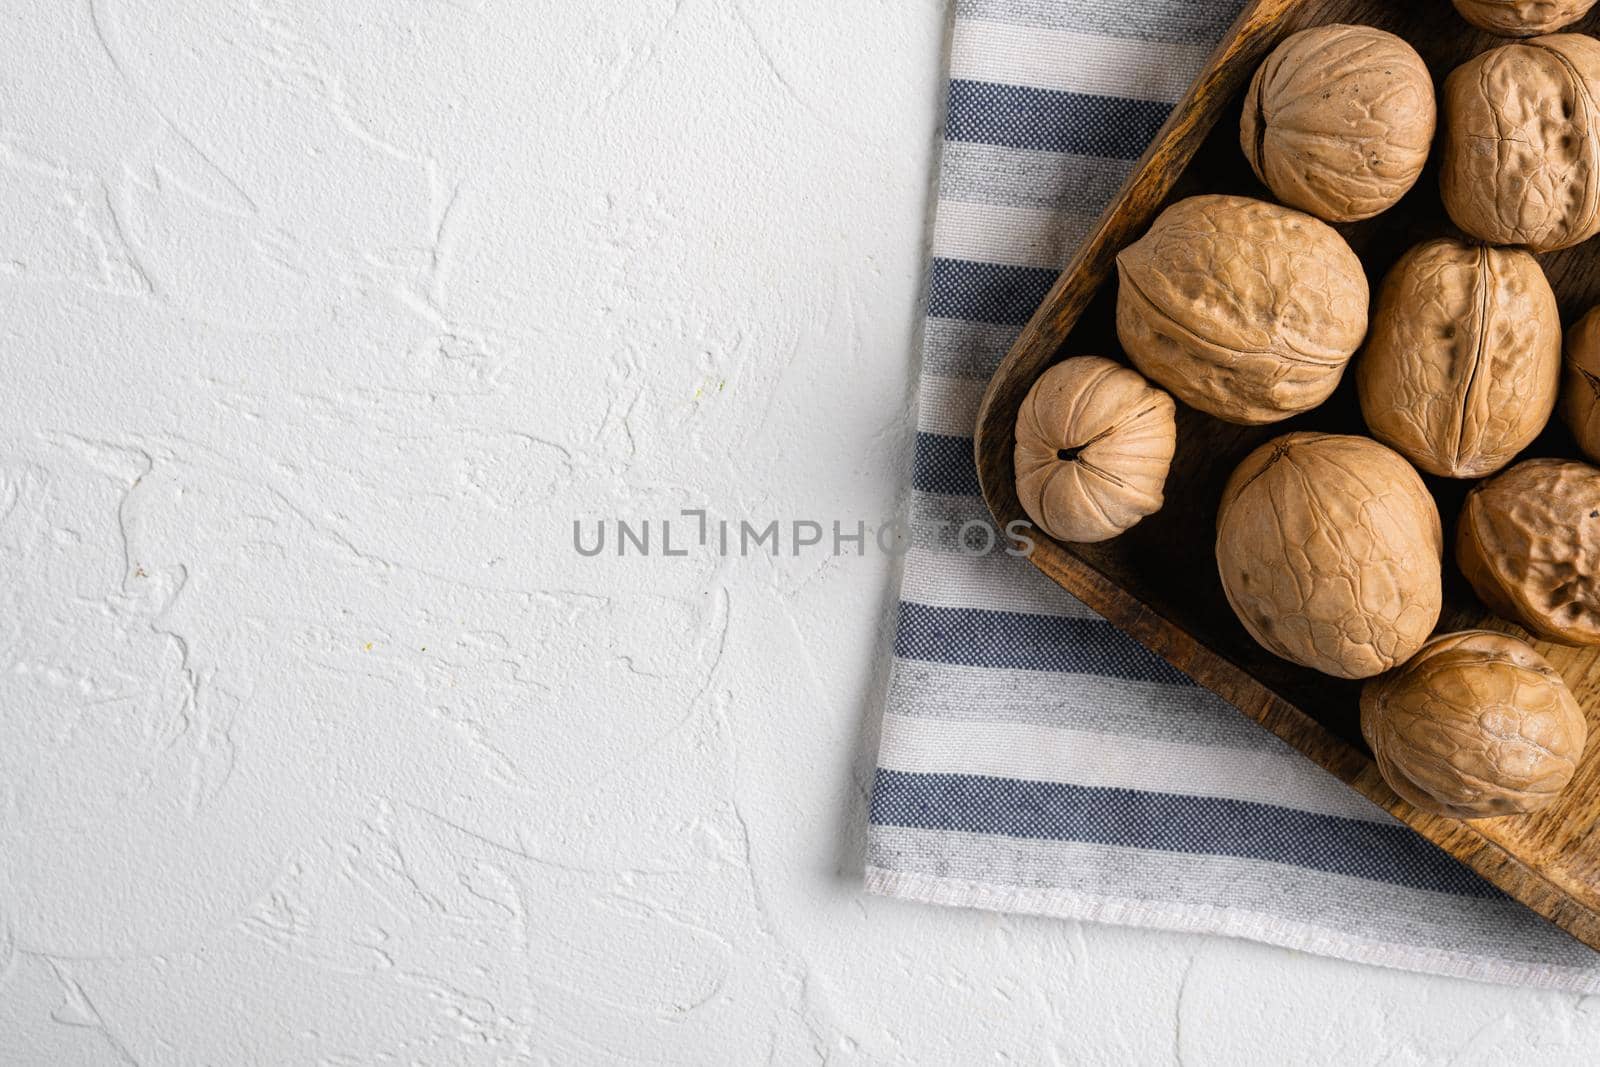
(1461, 369)
(1339, 121)
(1523, 18)
(1329, 549)
(1521, 158)
(1580, 386)
(1475, 725)
(1529, 542)
(1243, 309)
(1094, 441)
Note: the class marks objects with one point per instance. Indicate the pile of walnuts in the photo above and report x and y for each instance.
(1330, 547)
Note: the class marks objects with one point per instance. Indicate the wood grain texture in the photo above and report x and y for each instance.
(1159, 581)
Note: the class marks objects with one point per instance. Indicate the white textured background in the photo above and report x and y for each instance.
(318, 743)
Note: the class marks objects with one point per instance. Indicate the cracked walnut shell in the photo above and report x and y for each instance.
(1529, 543)
(1243, 309)
(1339, 121)
(1094, 441)
(1461, 369)
(1521, 158)
(1523, 18)
(1580, 389)
(1475, 725)
(1329, 548)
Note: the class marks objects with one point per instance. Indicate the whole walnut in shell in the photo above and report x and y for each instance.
(1094, 441)
(1245, 310)
(1339, 121)
(1329, 549)
(1523, 18)
(1521, 159)
(1580, 388)
(1529, 542)
(1475, 725)
(1461, 369)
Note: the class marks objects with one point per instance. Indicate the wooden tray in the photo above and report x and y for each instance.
(1159, 581)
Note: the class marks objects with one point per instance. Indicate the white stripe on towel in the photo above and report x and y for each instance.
(1012, 236)
(949, 405)
(994, 582)
(1045, 754)
(1069, 62)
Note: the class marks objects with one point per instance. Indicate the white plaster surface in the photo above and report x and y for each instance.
(319, 743)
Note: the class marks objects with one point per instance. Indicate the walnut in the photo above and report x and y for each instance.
(1529, 542)
(1523, 18)
(1475, 725)
(1339, 121)
(1461, 369)
(1094, 441)
(1580, 391)
(1243, 309)
(1521, 159)
(1329, 549)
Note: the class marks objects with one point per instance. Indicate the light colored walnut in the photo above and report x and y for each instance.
(1329, 548)
(1243, 309)
(1529, 542)
(1475, 725)
(1094, 441)
(1339, 121)
(1461, 369)
(1523, 18)
(1521, 158)
(1580, 387)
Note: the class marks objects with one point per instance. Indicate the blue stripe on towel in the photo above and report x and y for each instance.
(976, 637)
(1380, 852)
(1048, 120)
(987, 292)
(943, 464)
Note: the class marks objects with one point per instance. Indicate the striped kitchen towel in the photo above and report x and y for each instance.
(1033, 758)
